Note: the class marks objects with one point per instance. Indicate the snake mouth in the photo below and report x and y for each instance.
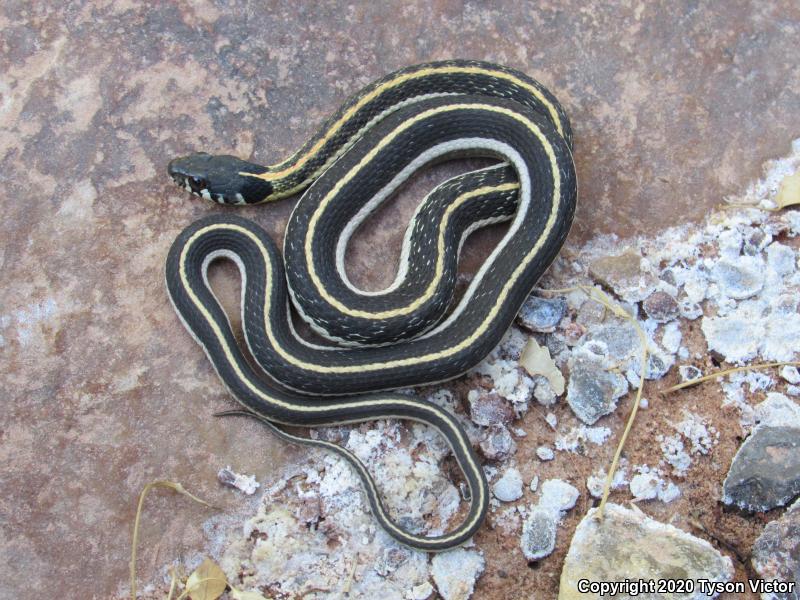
(196, 186)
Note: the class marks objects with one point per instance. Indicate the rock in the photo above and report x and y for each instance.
(489, 408)
(534, 483)
(777, 410)
(736, 336)
(545, 453)
(539, 529)
(739, 278)
(633, 547)
(592, 391)
(623, 274)
(455, 573)
(781, 259)
(776, 552)
(509, 487)
(661, 307)
(689, 372)
(695, 285)
(644, 486)
(765, 473)
(542, 314)
(558, 495)
(620, 339)
(780, 341)
(497, 443)
(539, 533)
(544, 393)
(671, 338)
(590, 313)
(790, 374)
(690, 310)
(422, 591)
(576, 438)
(244, 483)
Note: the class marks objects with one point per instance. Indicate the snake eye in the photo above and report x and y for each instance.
(197, 183)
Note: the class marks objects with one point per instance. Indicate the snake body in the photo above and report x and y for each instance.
(400, 336)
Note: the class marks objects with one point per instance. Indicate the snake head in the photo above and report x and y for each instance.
(220, 178)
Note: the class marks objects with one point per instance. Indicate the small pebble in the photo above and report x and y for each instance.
(545, 453)
(421, 592)
(244, 483)
(777, 410)
(644, 486)
(456, 571)
(671, 338)
(689, 372)
(509, 487)
(592, 391)
(551, 420)
(497, 443)
(489, 408)
(623, 273)
(690, 310)
(776, 552)
(542, 314)
(781, 259)
(539, 533)
(790, 374)
(740, 278)
(661, 307)
(558, 495)
(534, 483)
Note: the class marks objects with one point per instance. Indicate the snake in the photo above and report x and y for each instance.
(415, 331)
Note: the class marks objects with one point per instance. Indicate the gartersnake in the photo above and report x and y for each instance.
(400, 336)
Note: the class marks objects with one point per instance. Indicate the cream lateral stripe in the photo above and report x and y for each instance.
(404, 362)
(298, 163)
(431, 289)
(309, 250)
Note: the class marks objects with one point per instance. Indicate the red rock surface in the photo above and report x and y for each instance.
(674, 104)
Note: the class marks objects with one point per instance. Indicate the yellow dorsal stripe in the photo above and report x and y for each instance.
(334, 192)
(279, 171)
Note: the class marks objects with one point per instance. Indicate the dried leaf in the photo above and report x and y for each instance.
(536, 361)
(208, 582)
(240, 595)
(789, 191)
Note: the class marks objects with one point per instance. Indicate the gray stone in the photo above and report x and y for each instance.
(621, 339)
(690, 310)
(776, 552)
(539, 533)
(739, 278)
(765, 473)
(542, 314)
(661, 307)
(558, 495)
(544, 453)
(626, 544)
(689, 372)
(509, 487)
(455, 573)
(489, 408)
(777, 410)
(592, 391)
(623, 274)
(497, 443)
